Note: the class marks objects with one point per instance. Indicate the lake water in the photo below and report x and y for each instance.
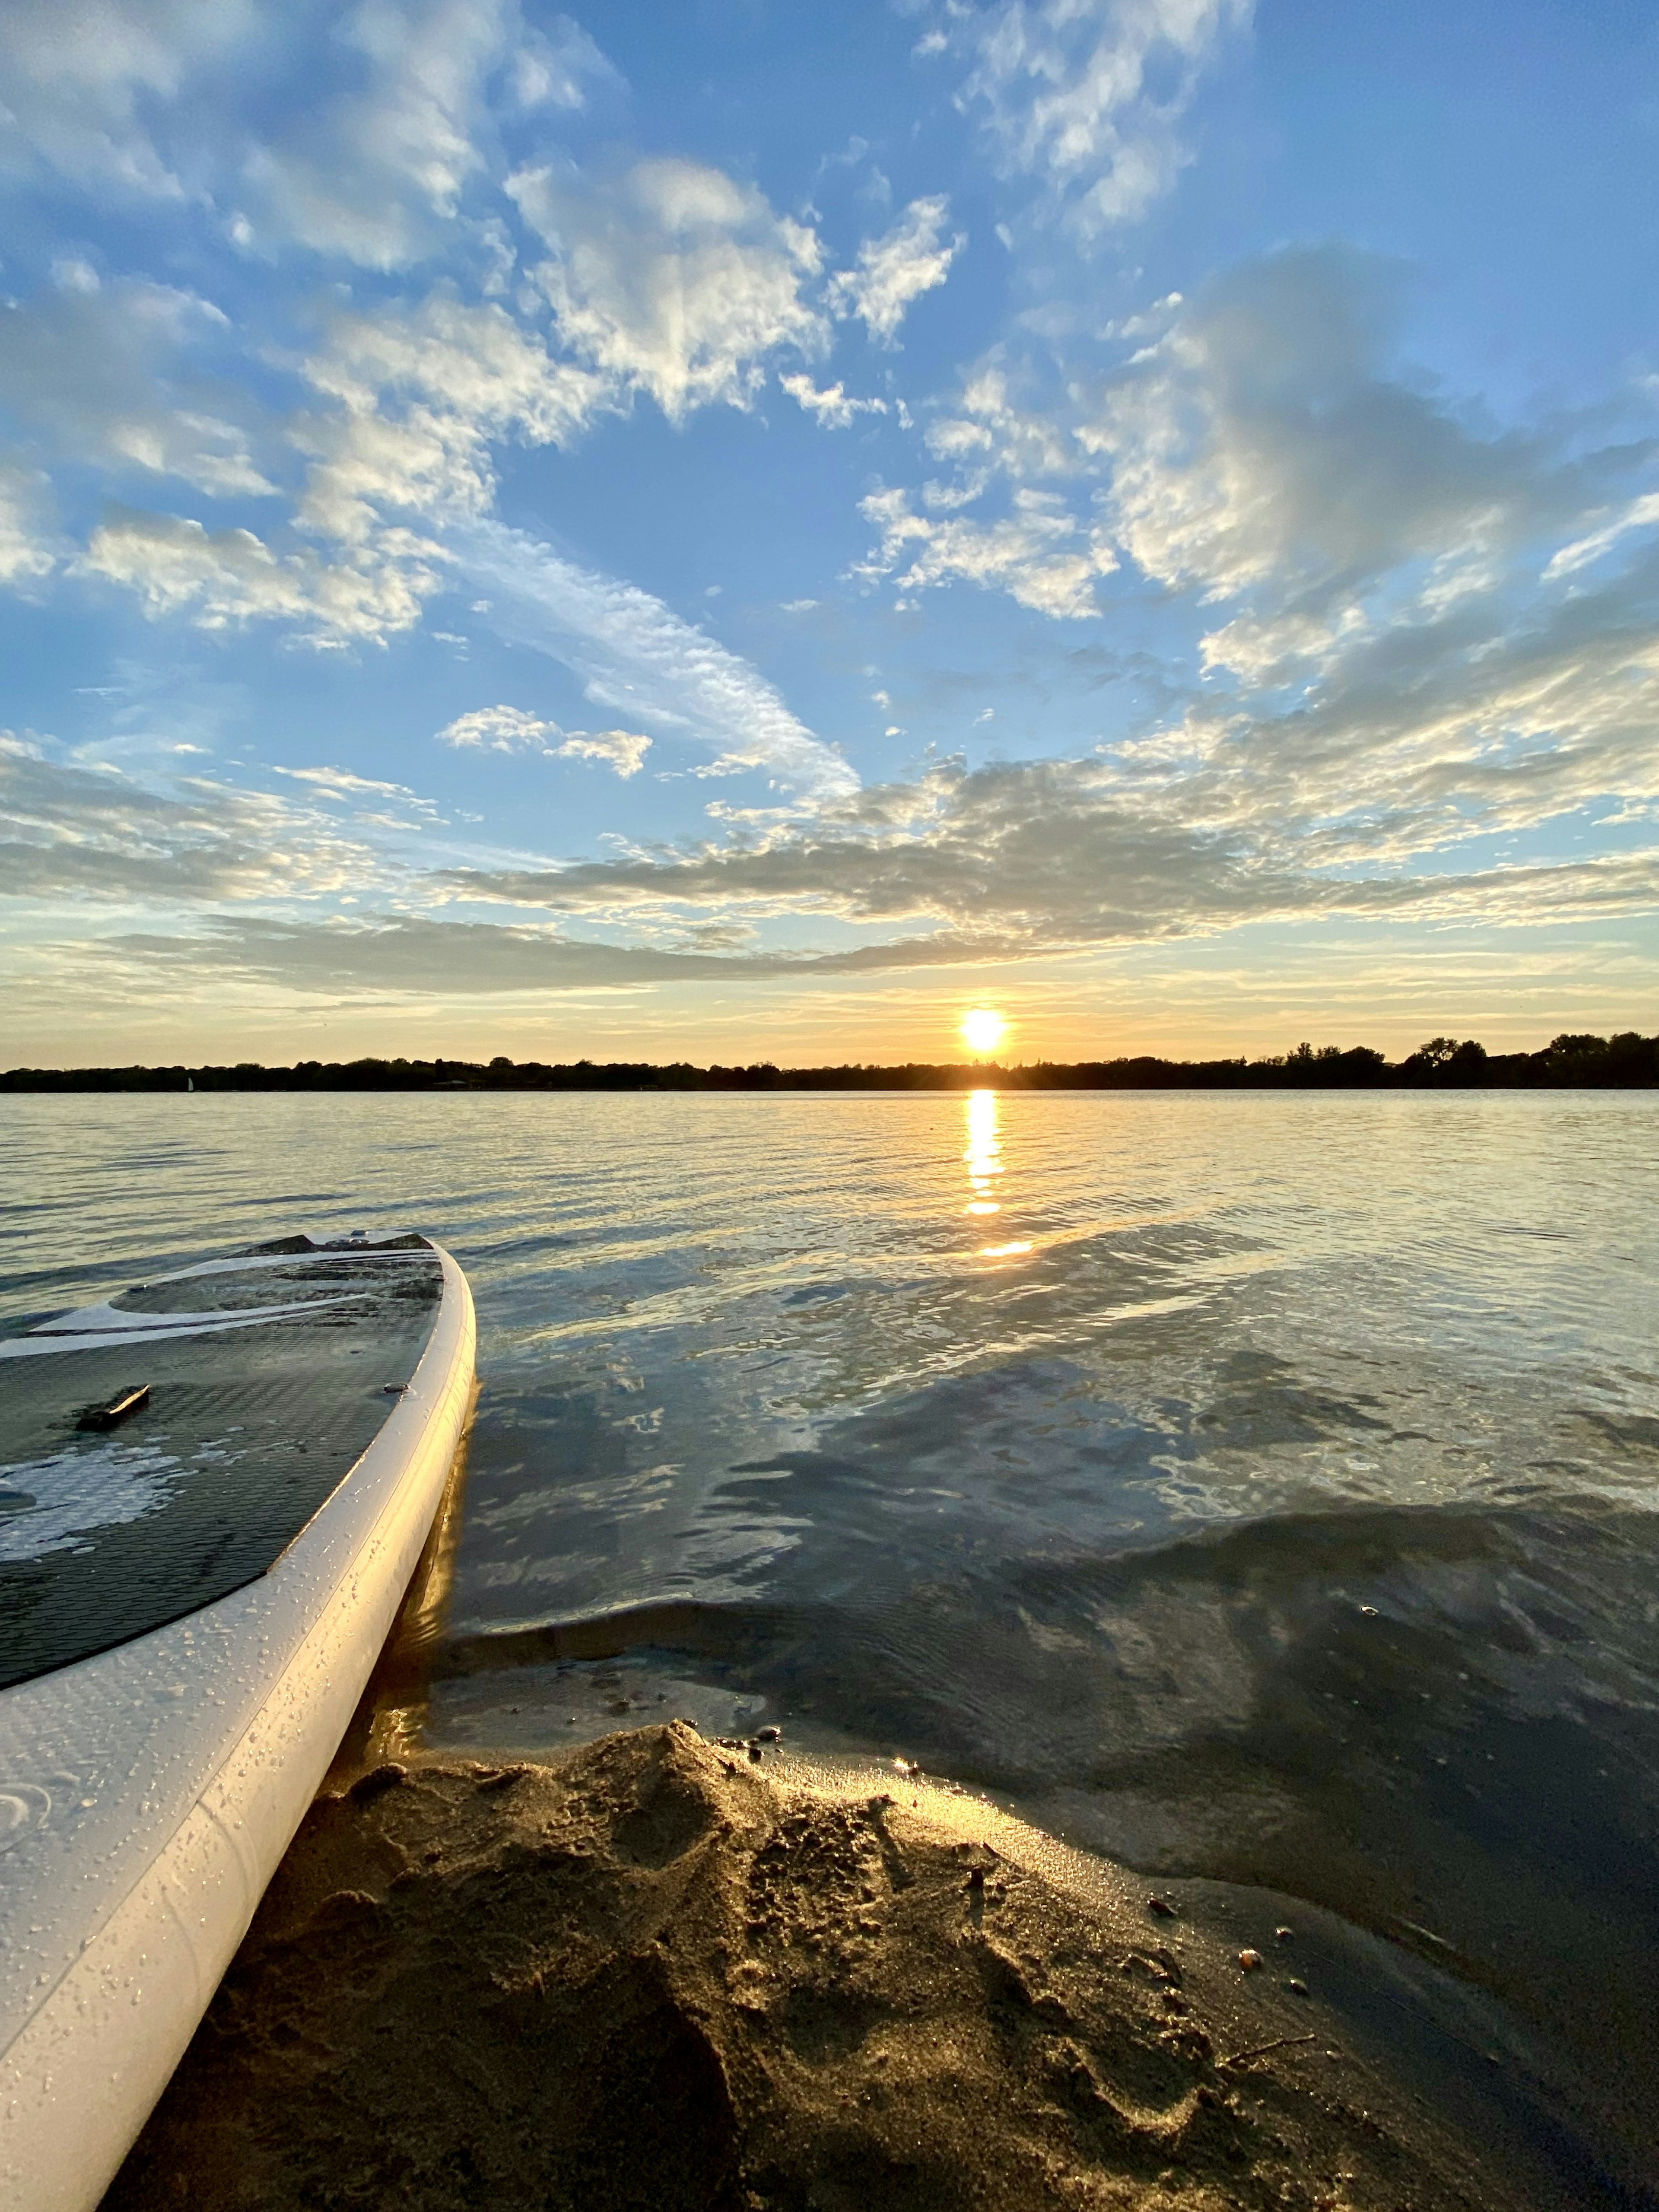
(1253, 1486)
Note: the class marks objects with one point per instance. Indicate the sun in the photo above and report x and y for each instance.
(983, 1029)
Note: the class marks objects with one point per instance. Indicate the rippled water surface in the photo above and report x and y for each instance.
(1257, 1486)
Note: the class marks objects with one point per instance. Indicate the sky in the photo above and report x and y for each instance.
(738, 531)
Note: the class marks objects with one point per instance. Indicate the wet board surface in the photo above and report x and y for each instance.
(266, 1375)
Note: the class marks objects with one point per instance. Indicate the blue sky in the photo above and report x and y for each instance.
(736, 530)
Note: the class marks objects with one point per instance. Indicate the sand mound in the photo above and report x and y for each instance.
(652, 1977)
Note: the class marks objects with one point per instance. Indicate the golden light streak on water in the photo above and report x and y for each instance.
(983, 1154)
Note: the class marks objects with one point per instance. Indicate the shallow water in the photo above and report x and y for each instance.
(1256, 1486)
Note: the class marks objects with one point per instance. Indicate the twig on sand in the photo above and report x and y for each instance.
(1260, 2049)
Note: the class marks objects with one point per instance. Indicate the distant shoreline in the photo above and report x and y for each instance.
(1626, 1060)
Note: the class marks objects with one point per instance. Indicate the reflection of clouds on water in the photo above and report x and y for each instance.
(963, 1477)
(59, 1504)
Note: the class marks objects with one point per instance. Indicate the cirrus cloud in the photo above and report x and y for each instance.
(637, 658)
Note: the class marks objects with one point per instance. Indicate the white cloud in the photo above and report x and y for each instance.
(1087, 96)
(421, 393)
(367, 466)
(512, 729)
(401, 458)
(102, 371)
(558, 67)
(25, 553)
(1261, 442)
(476, 362)
(502, 729)
(378, 175)
(82, 81)
(70, 273)
(672, 279)
(832, 407)
(1379, 553)
(1641, 514)
(1257, 446)
(1038, 552)
(637, 658)
(621, 749)
(893, 270)
(398, 118)
(225, 578)
(424, 391)
(992, 436)
(339, 783)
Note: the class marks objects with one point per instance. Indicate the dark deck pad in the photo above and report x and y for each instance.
(105, 1534)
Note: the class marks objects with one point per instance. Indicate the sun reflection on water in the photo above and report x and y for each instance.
(983, 1154)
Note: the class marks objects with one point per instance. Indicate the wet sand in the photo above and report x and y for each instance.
(659, 1974)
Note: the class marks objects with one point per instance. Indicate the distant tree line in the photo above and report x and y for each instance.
(1443, 1063)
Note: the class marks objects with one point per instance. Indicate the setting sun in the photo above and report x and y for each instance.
(984, 1029)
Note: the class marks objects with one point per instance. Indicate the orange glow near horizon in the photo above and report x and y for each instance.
(983, 1029)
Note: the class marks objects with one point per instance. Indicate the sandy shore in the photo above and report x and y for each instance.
(655, 1975)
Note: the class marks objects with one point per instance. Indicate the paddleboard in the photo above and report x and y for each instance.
(214, 1489)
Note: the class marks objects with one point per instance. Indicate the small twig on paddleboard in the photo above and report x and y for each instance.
(1260, 2049)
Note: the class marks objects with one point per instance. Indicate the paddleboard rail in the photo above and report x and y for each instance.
(147, 1793)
